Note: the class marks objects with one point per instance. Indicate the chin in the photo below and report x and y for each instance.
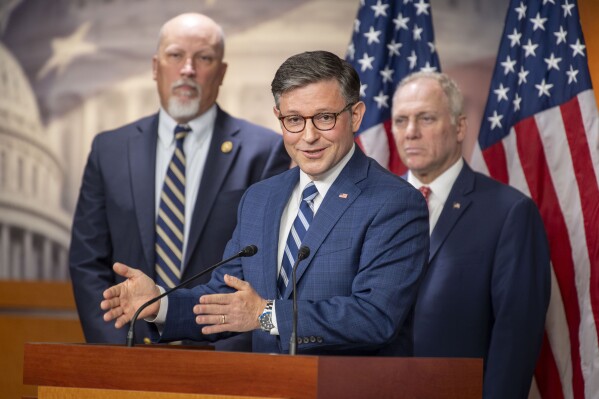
(183, 109)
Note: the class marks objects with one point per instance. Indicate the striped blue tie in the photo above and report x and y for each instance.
(296, 236)
(171, 217)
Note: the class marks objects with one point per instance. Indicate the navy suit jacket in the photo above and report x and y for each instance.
(115, 215)
(368, 249)
(487, 287)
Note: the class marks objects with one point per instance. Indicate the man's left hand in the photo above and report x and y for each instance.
(238, 311)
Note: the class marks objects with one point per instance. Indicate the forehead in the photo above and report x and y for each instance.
(318, 96)
(190, 34)
(421, 94)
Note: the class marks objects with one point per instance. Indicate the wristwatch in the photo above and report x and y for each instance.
(265, 319)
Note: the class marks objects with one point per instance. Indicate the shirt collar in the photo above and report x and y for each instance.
(199, 125)
(328, 178)
(441, 186)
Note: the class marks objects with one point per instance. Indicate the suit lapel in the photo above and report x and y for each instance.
(142, 165)
(272, 224)
(338, 199)
(455, 206)
(216, 169)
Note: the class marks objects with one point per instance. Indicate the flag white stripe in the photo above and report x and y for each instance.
(558, 334)
(590, 119)
(375, 144)
(556, 324)
(477, 162)
(534, 390)
(560, 164)
(516, 176)
(589, 346)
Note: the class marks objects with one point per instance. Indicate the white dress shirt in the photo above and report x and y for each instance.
(292, 208)
(440, 189)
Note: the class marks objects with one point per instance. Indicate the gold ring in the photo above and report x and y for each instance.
(222, 319)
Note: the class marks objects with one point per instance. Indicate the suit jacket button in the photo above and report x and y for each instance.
(306, 340)
(312, 339)
(319, 340)
(299, 340)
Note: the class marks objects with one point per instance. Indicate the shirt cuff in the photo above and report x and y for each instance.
(161, 316)
(275, 329)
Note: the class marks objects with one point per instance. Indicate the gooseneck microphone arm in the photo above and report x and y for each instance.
(248, 251)
(302, 254)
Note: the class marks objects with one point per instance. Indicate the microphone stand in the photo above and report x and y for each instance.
(302, 254)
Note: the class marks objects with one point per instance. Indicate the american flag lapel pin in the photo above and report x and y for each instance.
(343, 195)
(456, 205)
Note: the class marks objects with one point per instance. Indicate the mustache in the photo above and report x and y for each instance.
(186, 82)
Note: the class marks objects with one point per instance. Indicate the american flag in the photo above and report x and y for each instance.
(540, 134)
(391, 39)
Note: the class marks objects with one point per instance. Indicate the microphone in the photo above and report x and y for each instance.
(246, 252)
(302, 254)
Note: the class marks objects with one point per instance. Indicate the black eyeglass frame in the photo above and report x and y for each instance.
(305, 118)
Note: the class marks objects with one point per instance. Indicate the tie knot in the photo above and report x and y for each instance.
(426, 191)
(309, 192)
(181, 131)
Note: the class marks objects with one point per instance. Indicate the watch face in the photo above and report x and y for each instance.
(266, 321)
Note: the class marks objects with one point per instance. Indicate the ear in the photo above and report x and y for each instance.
(154, 66)
(461, 128)
(222, 72)
(357, 113)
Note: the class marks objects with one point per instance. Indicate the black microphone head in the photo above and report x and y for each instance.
(303, 252)
(248, 251)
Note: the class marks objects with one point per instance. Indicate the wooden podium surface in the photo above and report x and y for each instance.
(95, 371)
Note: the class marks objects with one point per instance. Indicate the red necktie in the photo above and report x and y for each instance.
(425, 190)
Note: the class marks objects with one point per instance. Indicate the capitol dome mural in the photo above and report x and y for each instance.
(34, 227)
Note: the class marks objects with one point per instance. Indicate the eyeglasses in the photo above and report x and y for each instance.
(322, 121)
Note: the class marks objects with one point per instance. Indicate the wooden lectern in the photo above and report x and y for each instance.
(163, 372)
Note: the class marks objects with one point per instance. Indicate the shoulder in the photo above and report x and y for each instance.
(246, 130)
(381, 180)
(122, 133)
(507, 202)
(496, 191)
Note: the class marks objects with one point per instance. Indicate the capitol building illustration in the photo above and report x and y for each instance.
(34, 227)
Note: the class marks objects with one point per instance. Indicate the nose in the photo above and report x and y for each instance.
(412, 131)
(311, 134)
(188, 69)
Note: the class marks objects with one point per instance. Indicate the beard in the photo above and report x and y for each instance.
(184, 108)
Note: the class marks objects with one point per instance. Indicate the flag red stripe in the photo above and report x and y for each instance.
(547, 376)
(589, 192)
(497, 162)
(359, 143)
(395, 164)
(534, 165)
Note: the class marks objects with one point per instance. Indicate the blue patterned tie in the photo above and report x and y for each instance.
(171, 217)
(296, 236)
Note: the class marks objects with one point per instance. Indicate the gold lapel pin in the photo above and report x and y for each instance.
(456, 205)
(343, 195)
(226, 147)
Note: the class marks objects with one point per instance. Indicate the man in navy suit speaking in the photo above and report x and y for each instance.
(487, 287)
(162, 192)
(367, 231)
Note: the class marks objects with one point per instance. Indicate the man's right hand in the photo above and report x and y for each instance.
(121, 301)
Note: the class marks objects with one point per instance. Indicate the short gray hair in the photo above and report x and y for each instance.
(454, 96)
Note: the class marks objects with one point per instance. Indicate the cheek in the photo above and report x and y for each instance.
(289, 141)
